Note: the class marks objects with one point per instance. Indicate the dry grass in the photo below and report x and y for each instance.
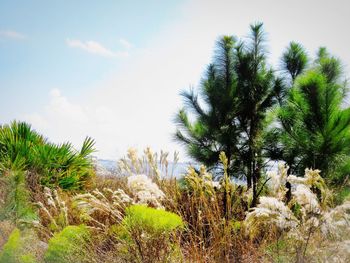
(213, 213)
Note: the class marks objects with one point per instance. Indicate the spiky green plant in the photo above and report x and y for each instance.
(22, 148)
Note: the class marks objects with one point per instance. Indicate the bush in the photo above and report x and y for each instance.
(69, 245)
(15, 250)
(149, 234)
(155, 221)
(22, 148)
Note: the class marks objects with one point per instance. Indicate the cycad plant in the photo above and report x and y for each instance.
(23, 149)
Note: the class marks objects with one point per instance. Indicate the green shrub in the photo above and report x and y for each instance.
(16, 249)
(22, 148)
(155, 221)
(11, 248)
(149, 234)
(69, 245)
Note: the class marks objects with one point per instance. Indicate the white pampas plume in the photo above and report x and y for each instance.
(336, 221)
(307, 199)
(278, 181)
(145, 190)
(270, 211)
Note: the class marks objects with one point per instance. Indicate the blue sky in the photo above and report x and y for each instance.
(113, 70)
(30, 65)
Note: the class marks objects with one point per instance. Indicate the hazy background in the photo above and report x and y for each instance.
(113, 70)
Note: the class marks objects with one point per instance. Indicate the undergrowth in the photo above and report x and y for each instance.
(140, 215)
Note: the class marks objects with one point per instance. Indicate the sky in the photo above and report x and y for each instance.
(113, 69)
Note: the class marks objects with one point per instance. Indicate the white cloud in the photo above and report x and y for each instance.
(96, 48)
(126, 44)
(12, 34)
(65, 120)
(61, 107)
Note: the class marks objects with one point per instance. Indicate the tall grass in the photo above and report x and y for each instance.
(140, 215)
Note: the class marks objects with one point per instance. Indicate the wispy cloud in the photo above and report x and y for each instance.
(82, 119)
(12, 34)
(96, 48)
(125, 43)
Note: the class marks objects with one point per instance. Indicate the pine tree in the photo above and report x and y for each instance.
(314, 125)
(238, 90)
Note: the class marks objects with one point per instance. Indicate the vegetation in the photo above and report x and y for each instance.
(68, 245)
(149, 234)
(238, 90)
(255, 115)
(314, 125)
(54, 209)
(17, 205)
(23, 149)
(18, 248)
